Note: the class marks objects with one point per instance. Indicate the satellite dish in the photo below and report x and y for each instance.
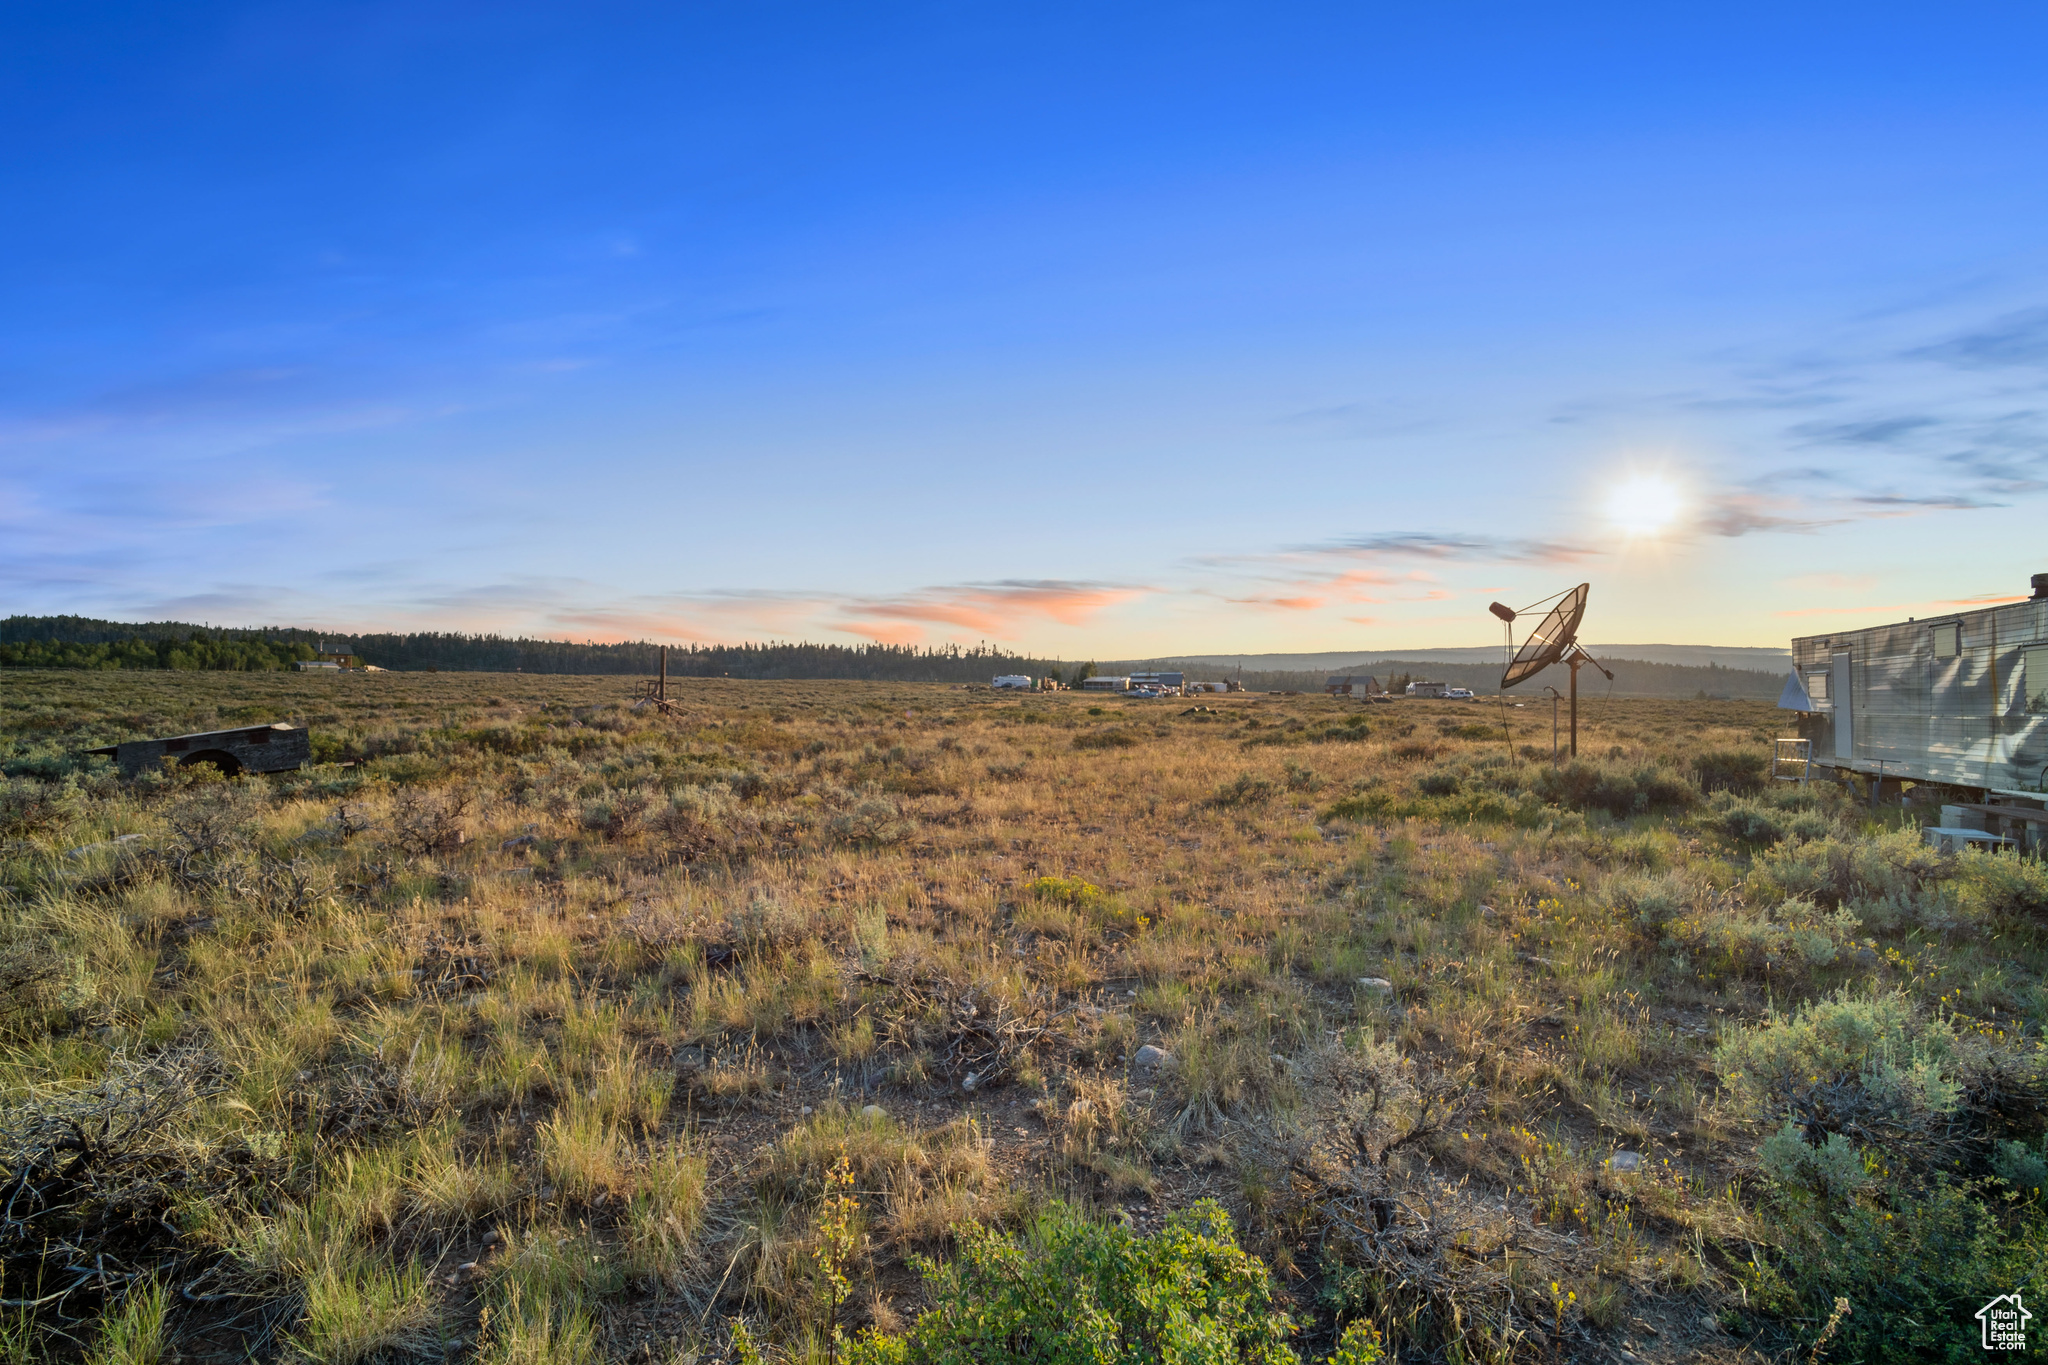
(1555, 640)
(1546, 644)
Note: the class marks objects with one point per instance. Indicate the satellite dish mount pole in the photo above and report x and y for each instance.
(1575, 656)
(1574, 662)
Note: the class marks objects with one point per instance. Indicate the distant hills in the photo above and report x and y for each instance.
(1336, 661)
(1639, 670)
(83, 642)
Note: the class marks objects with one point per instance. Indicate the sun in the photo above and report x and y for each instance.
(1645, 505)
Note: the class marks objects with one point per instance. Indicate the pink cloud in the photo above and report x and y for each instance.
(997, 609)
(1284, 603)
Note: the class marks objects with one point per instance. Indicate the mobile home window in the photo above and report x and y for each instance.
(2034, 677)
(1817, 686)
(1948, 640)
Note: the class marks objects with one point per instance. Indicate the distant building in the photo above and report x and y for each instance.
(317, 666)
(1012, 682)
(1352, 686)
(1100, 684)
(1428, 689)
(1170, 684)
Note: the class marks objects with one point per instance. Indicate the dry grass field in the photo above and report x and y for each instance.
(529, 1027)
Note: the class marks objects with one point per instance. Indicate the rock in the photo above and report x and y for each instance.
(973, 1079)
(1377, 983)
(873, 1113)
(521, 841)
(1624, 1161)
(491, 1238)
(807, 1111)
(1151, 1058)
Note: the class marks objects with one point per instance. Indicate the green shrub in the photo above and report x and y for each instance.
(1999, 886)
(1464, 807)
(1243, 790)
(2020, 1166)
(1750, 821)
(1743, 771)
(1619, 791)
(872, 823)
(1651, 901)
(1439, 782)
(1886, 1183)
(1848, 867)
(1792, 936)
(1107, 739)
(1354, 730)
(1914, 1265)
(1074, 1292)
(1834, 1169)
(1876, 1041)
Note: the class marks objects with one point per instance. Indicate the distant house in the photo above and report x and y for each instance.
(1101, 684)
(317, 666)
(1352, 685)
(1168, 683)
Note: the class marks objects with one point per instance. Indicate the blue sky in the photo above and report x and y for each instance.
(1211, 327)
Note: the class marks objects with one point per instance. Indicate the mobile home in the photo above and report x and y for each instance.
(1959, 699)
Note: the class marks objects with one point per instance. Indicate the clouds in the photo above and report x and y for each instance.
(1741, 513)
(2015, 339)
(1440, 547)
(1002, 610)
(1007, 610)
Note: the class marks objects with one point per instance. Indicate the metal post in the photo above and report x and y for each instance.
(1575, 708)
(661, 688)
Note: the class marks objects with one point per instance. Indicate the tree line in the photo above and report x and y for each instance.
(195, 652)
(82, 642)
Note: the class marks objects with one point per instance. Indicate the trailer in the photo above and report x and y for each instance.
(252, 749)
(1958, 700)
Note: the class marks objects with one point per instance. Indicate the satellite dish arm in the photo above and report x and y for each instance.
(1580, 650)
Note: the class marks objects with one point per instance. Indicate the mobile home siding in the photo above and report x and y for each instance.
(1913, 714)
